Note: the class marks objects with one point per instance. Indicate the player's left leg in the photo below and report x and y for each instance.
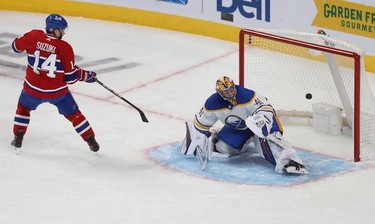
(69, 108)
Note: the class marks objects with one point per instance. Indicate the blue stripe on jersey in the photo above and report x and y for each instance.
(14, 47)
(31, 61)
(71, 77)
(82, 127)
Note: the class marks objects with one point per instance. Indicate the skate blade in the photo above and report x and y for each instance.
(17, 150)
(97, 154)
(293, 170)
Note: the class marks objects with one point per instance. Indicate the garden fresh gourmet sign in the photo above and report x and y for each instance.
(346, 17)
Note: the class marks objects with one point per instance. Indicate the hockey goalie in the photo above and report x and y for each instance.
(247, 117)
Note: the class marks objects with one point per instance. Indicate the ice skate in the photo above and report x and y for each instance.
(93, 144)
(17, 141)
(296, 168)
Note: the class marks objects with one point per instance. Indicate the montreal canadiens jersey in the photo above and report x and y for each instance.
(51, 65)
(234, 116)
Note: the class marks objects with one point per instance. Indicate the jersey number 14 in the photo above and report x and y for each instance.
(49, 64)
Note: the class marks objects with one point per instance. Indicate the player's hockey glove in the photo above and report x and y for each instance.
(88, 76)
(260, 123)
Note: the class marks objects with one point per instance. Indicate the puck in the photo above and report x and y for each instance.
(308, 96)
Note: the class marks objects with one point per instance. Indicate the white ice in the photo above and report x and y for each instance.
(57, 180)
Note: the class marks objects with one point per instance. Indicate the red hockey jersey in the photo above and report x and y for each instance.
(51, 65)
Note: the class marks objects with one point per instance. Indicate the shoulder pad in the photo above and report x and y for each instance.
(244, 95)
(216, 102)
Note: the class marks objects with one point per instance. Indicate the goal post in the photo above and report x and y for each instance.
(286, 65)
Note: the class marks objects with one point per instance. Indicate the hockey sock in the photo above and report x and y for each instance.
(21, 119)
(81, 125)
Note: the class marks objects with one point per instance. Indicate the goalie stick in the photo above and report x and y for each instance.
(202, 156)
(143, 116)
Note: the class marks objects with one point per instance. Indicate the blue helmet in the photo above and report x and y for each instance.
(55, 21)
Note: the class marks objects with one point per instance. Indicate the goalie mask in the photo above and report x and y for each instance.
(226, 88)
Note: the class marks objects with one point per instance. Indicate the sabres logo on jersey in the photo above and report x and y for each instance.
(235, 122)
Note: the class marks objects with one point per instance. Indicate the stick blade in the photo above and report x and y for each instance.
(143, 116)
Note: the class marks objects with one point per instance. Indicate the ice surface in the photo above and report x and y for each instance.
(56, 179)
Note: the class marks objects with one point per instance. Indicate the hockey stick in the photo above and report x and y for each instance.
(143, 116)
(202, 156)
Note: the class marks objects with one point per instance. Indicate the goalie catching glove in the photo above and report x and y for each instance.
(260, 123)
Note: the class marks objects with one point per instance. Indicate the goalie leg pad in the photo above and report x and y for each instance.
(277, 151)
(193, 140)
(267, 152)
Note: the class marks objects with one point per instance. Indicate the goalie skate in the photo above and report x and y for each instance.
(295, 168)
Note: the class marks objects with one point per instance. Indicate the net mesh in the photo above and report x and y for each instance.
(286, 73)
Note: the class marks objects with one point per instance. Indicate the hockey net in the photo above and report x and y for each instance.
(285, 66)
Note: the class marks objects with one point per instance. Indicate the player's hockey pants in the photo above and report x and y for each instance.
(66, 106)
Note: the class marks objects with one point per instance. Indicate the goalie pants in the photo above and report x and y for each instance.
(234, 138)
(66, 106)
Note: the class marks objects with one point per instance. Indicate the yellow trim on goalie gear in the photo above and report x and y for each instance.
(248, 102)
(271, 109)
(200, 126)
(279, 123)
(223, 108)
(265, 108)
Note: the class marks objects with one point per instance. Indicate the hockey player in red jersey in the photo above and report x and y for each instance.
(50, 68)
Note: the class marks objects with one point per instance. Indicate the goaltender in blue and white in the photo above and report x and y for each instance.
(247, 118)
